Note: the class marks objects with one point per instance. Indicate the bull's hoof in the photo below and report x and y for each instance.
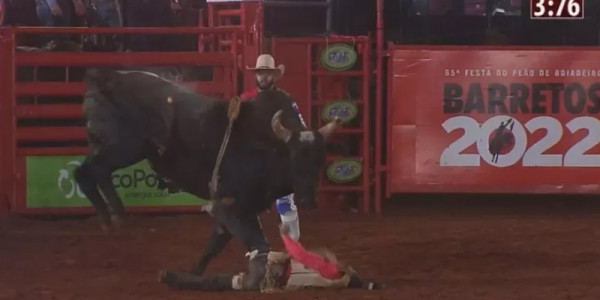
(107, 229)
(104, 223)
(117, 221)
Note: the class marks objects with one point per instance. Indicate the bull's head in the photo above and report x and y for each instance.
(307, 149)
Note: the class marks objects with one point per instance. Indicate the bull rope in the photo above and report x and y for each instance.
(233, 112)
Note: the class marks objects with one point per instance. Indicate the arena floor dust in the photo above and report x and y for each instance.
(437, 248)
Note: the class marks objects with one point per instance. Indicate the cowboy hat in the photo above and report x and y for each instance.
(267, 62)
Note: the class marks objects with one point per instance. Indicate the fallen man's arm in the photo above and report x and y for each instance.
(326, 268)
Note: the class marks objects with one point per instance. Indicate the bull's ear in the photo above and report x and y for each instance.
(280, 131)
(328, 129)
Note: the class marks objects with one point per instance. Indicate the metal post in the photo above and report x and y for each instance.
(378, 107)
(366, 153)
(329, 16)
(234, 51)
(200, 37)
(7, 123)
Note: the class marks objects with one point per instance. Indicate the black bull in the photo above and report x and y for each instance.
(130, 114)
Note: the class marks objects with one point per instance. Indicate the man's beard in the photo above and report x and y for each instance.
(265, 85)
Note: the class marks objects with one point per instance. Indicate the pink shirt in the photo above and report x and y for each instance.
(326, 268)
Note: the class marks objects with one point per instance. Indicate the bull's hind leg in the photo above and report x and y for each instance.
(94, 176)
(86, 179)
(114, 158)
(247, 228)
(114, 201)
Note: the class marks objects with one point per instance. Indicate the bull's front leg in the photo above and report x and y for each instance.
(247, 228)
(216, 243)
(219, 238)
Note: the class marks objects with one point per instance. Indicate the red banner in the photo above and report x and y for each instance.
(494, 120)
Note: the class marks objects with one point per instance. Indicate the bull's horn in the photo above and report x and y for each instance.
(279, 130)
(328, 129)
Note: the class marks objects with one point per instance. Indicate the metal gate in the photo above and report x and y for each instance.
(331, 76)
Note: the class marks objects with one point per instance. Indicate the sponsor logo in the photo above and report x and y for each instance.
(345, 110)
(338, 57)
(51, 183)
(135, 178)
(344, 170)
(66, 180)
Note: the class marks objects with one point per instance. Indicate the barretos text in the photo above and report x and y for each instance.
(536, 98)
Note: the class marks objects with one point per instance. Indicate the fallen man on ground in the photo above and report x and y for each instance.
(293, 269)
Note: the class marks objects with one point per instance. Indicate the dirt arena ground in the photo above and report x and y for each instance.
(435, 248)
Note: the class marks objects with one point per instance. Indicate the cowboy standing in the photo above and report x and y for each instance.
(266, 75)
(293, 269)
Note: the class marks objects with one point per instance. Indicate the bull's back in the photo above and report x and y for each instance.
(195, 139)
(106, 124)
(200, 122)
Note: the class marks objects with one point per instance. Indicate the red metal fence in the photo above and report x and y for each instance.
(436, 96)
(18, 141)
(316, 88)
(313, 85)
(6, 87)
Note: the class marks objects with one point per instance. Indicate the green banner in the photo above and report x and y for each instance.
(51, 183)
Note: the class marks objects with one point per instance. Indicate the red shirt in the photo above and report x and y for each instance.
(249, 94)
(325, 267)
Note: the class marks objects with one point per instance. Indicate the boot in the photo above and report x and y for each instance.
(184, 281)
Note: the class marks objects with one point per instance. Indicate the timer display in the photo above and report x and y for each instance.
(557, 9)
